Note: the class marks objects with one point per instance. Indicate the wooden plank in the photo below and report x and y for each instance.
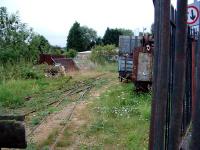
(12, 117)
(12, 134)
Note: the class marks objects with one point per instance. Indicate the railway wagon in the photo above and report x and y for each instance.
(143, 64)
(125, 60)
(142, 68)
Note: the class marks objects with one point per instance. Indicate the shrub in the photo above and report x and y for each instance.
(102, 54)
(71, 53)
(30, 73)
(21, 70)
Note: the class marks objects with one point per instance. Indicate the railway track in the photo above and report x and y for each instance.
(82, 88)
(68, 118)
(76, 88)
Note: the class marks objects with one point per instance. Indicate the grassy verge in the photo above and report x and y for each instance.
(121, 119)
(18, 93)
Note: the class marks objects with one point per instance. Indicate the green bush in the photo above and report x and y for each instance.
(21, 70)
(71, 53)
(102, 54)
(31, 73)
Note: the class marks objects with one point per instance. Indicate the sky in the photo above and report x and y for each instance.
(54, 18)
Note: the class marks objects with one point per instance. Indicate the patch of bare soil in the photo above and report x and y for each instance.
(52, 122)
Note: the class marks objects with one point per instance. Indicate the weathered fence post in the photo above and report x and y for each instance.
(12, 132)
(155, 64)
(195, 144)
(178, 76)
(160, 74)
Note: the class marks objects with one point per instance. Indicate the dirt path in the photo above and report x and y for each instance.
(81, 119)
(47, 132)
(52, 122)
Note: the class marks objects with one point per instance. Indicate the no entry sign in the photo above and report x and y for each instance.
(193, 15)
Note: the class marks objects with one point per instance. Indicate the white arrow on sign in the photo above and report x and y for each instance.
(193, 15)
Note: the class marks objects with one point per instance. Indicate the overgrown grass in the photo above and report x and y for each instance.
(122, 119)
(21, 70)
(15, 93)
(17, 81)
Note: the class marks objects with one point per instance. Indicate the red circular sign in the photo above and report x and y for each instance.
(197, 14)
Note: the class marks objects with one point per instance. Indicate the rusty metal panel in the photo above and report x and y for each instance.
(142, 63)
(68, 63)
(144, 72)
(47, 58)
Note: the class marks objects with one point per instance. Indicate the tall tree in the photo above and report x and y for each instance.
(75, 38)
(89, 37)
(127, 32)
(57, 50)
(14, 36)
(81, 38)
(111, 36)
(38, 45)
(17, 41)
